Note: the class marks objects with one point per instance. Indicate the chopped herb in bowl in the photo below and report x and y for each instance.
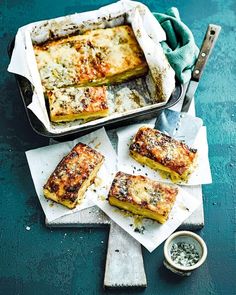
(184, 254)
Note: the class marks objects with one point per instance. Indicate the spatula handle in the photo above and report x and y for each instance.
(208, 44)
(206, 49)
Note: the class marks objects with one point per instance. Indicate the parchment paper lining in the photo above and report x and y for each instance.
(146, 29)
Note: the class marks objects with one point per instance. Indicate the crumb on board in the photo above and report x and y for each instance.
(97, 145)
(97, 181)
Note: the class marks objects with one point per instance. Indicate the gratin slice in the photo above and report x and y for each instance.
(73, 175)
(143, 196)
(163, 153)
(97, 57)
(72, 103)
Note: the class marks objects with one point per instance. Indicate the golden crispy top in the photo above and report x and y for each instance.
(72, 100)
(72, 171)
(143, 191)
(163, 149)
(85, 58)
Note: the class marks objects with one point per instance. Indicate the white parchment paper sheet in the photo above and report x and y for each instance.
(154, 233)
(201, 175)
(23, 60)
(43, 161)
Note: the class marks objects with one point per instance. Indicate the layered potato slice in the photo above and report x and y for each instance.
(163, 153)
(72, 103)
(143, 196)
(97, 57)
(73, 175)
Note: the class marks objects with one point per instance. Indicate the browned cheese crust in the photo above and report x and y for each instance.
(97, 57)
(72, 176)
(142, 196)
(71, 103)
(163, 149)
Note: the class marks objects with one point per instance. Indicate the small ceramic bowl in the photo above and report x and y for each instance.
(186, 237)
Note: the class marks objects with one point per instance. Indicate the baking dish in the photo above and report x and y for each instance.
(141, 113)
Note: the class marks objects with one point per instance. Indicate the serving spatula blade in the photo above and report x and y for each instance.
(186, 127)
(180, 125)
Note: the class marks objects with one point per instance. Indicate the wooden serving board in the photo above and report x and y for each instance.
(124, 253)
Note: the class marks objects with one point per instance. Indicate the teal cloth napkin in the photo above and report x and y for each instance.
(180, 48)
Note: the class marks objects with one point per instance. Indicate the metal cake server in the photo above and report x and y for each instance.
(181, 125)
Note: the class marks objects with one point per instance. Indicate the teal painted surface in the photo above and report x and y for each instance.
(72, 261)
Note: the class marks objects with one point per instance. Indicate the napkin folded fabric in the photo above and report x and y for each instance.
(180, 48)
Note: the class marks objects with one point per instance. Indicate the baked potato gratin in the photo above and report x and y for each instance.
(72, 103)
(163, 153)
(97, 57)
(71, 66)
(73, 175)
(142, 196)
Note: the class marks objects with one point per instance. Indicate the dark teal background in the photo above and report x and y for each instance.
(72, 261)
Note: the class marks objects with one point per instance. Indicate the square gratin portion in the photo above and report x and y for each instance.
(72, 103)
(162, 152)
(73, 175)
(143, 196)
(97, 57)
